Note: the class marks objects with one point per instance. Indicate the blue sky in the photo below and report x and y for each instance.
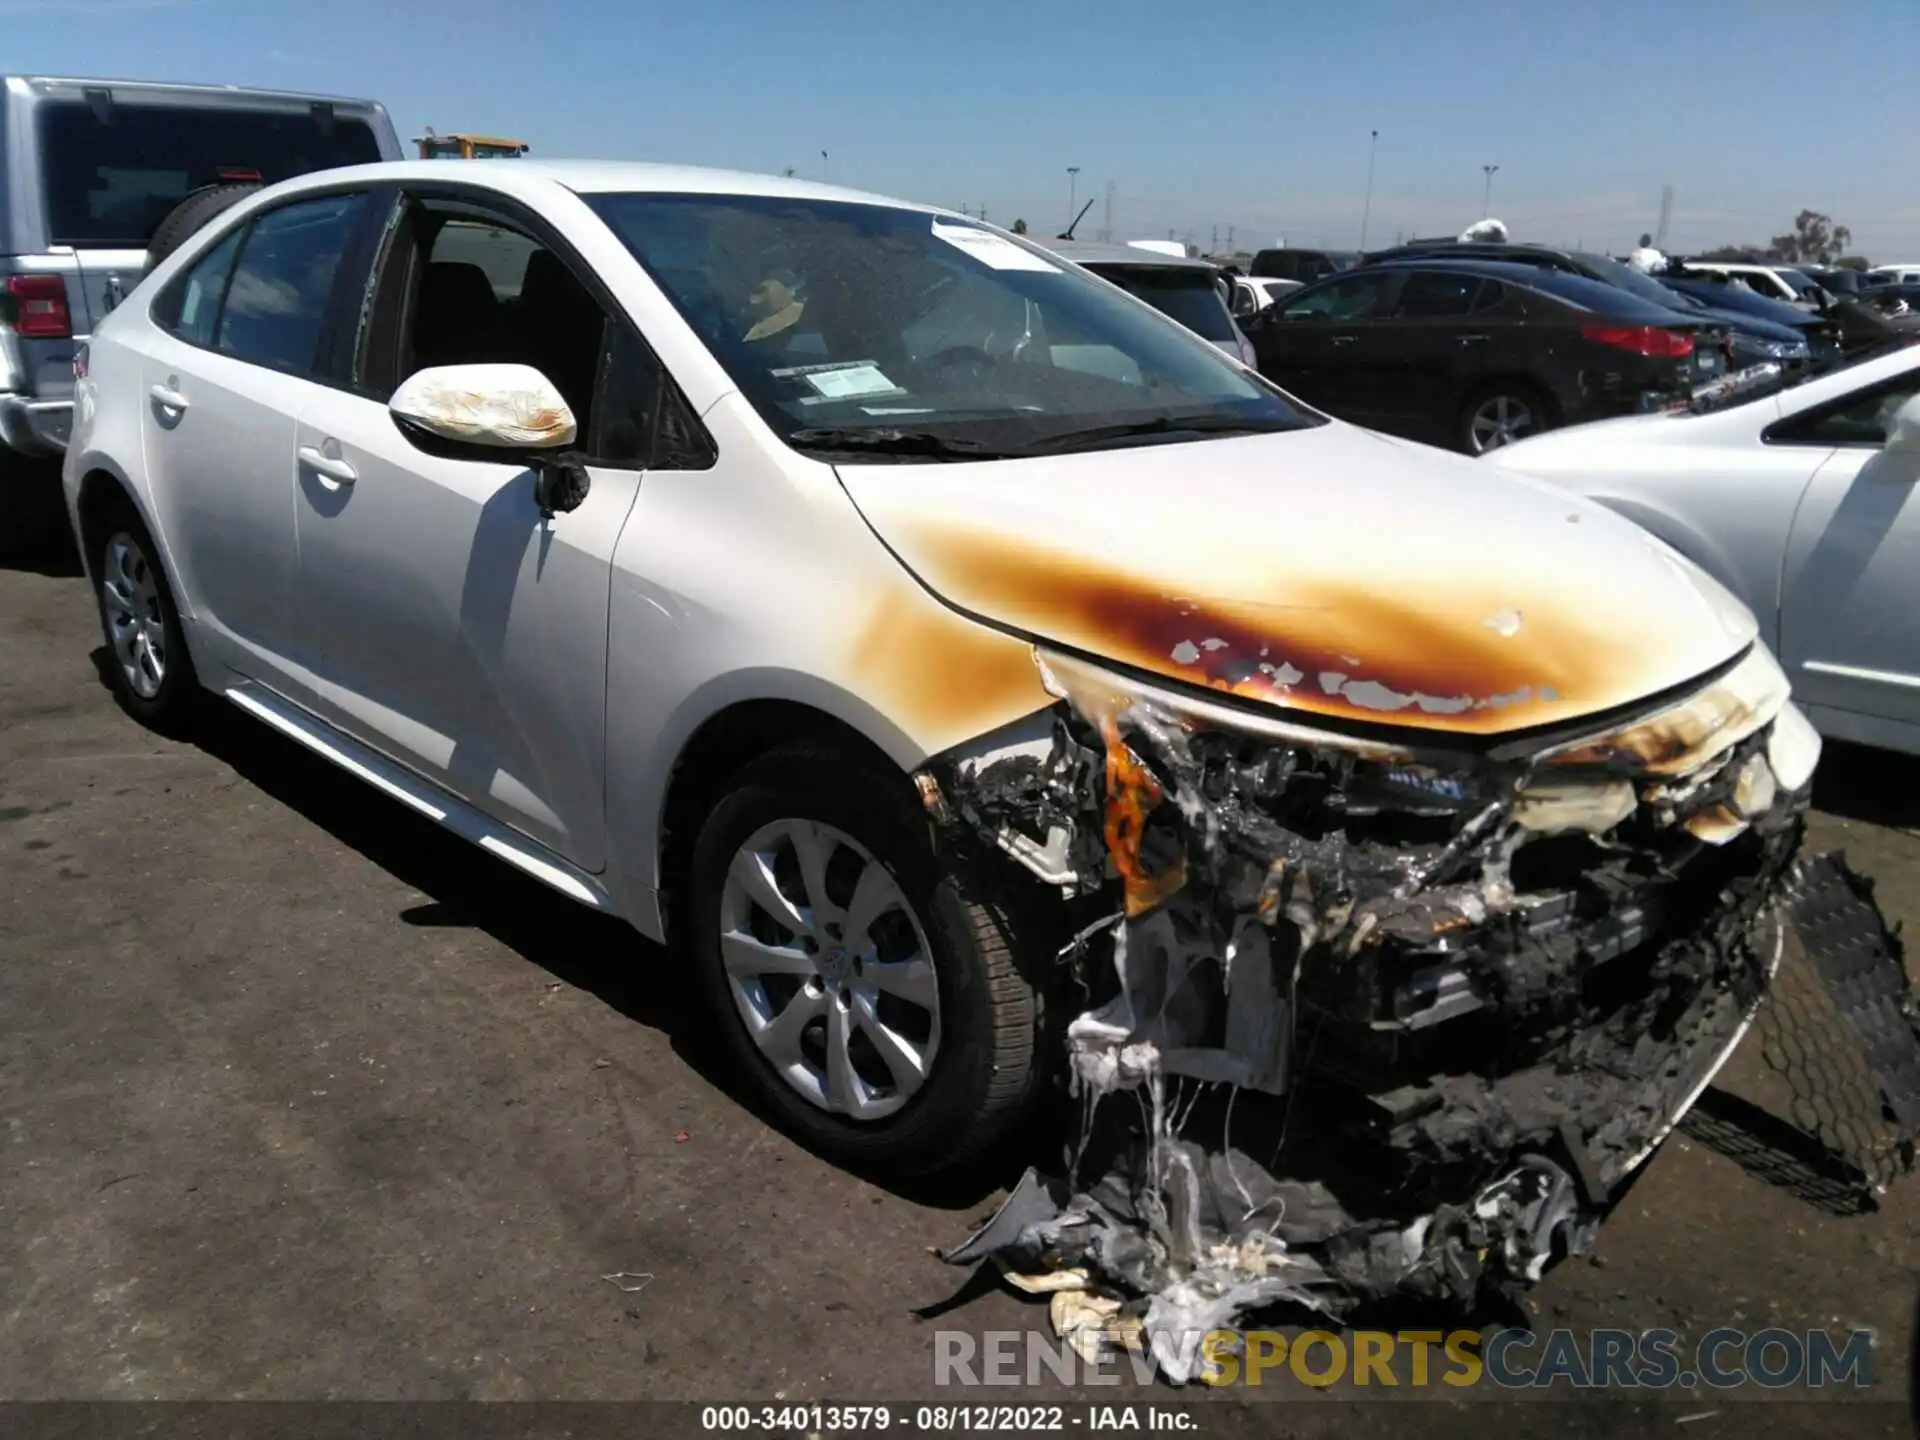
(1249, 115)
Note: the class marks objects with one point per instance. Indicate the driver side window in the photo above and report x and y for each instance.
(1860, 419)
(461, 286)
(1350, 299)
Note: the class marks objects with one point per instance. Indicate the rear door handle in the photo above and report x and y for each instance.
(167, 395)
(332, 467)
(1344, 339)
(1473, 339)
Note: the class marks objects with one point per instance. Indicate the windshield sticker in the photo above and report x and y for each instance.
(851, 382)
(993, 250)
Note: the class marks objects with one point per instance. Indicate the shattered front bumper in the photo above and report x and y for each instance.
(1376, 1021)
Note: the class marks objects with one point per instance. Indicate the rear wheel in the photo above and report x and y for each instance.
(865, 988)
(1501, 413)
(148, 666)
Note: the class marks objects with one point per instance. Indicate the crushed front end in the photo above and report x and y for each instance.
(1373, 1020)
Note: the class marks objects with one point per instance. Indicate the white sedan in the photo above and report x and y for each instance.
(1803, 503)
(907, 625)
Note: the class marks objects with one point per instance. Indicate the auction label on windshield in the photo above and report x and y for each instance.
(840, 380)
(991, 249)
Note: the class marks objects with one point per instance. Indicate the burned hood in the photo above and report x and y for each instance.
(1328, 571)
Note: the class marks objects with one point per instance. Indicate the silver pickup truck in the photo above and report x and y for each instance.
(89, 169)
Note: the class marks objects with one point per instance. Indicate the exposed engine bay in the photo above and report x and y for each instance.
(1370, 1019)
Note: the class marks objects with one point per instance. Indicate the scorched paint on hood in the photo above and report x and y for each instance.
(1324, 571)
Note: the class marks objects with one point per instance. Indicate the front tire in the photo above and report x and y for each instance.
(865, 988)
(148, 666)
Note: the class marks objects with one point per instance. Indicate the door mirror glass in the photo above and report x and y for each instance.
(499, 408)
(1903, 427)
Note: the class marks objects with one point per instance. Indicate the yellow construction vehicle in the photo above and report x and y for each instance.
(468, 147)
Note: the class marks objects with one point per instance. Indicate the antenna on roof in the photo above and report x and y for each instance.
(1666, 218)
(1067, 234)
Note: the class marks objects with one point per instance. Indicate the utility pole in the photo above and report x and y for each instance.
(983, 209)
(1366, 209)
(1486, 196)
(1213, 245)
(1230, 239)
(1073, 190)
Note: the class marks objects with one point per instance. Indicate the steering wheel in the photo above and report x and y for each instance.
(956, 356)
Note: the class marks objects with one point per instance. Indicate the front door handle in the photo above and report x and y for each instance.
(1473, 339)
(1344, 339)
(331, 466)
(168, 395)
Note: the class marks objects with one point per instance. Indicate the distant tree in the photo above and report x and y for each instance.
(1019, 227)
(788, 172)
(1852, 262)
(1816, 240)
(1743, 253)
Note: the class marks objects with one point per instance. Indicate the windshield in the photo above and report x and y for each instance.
(881, 333)
(111, 182)
(1189, 296)
(1631, 280)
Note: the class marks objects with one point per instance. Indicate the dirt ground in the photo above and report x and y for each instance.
(304, 1099)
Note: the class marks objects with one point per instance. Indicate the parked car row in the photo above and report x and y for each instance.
(1550, 337)
(1475, 354)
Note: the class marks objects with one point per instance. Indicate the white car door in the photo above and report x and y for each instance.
(1850, 613)
(228, 366)
(458, 630)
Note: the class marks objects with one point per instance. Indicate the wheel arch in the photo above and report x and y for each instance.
(101, 488)
(731, 729)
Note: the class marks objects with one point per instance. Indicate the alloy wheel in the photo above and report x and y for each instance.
(829, 969)
(1500, 420)
(136, 626)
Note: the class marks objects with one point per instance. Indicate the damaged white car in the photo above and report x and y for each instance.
(980, 679)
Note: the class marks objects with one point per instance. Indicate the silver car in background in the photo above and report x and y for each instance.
(90, 170)
(1194, 292)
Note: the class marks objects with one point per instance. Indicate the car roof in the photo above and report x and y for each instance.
(1466, 250)
(527, 177)
(1577, 290)
(71, 87)
(1099, 252)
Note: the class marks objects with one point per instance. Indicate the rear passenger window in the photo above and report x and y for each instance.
(191, 303)
(1434, 295)
(277, 301)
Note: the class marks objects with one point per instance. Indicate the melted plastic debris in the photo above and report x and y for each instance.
(1374, 1024)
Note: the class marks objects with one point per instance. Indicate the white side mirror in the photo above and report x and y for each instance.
(1903, 428)
(503, 407)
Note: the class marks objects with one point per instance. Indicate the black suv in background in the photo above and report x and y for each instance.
(1474, 355)
(1304, 266)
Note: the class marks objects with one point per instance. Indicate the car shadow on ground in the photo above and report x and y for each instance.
(1778, 1153)
(34, 534)
(597, 953)
(1876, 787)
